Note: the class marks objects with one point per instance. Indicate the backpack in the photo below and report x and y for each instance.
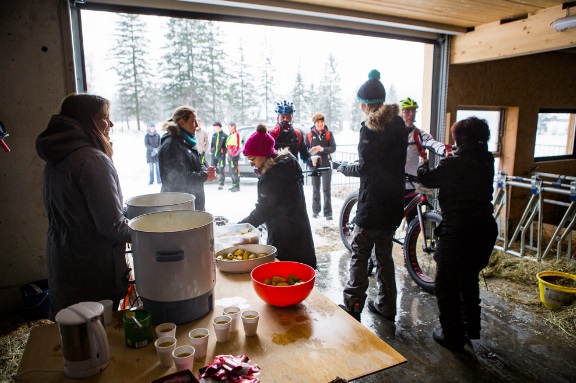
(276, 133)
(310, 136)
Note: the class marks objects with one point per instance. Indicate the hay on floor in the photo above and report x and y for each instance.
(523, 272)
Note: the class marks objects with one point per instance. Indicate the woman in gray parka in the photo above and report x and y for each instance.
(87, 231)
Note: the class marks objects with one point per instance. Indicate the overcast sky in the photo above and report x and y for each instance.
(398, 61)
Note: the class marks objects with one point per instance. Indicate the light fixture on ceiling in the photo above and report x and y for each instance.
(564, 22)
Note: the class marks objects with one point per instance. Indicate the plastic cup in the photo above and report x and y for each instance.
(234, 313)
(250, 322)
(107, 303)
(166, 329)
(184, 357)
(164, 347)
(199, 340)
(314, 160)
(222, 325)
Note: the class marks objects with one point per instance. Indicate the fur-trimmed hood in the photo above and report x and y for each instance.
(378, 119)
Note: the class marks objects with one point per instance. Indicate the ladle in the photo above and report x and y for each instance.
(133, 316)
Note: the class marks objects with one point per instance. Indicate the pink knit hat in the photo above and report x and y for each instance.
(260, 143)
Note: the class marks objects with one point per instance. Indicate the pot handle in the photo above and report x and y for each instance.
(169, 256)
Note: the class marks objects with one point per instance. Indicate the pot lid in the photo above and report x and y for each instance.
(79, 313)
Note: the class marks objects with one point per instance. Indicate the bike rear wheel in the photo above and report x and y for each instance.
(419, 250)
(346, 224)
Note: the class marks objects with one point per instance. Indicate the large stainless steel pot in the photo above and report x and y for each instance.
(151, 203)
(174, 264)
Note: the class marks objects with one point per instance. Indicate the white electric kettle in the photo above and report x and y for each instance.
(84, 341)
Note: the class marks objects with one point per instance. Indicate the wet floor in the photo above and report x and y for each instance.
(515, 346)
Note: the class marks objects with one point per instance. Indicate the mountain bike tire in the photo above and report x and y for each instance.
(346, 223)
(418, 258)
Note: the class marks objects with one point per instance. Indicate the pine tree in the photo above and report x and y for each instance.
(391, 95)
(217, 81)
(356, 115)
(302, 112)
(330, 95)
(267, 82)
(242, 103)
(183, 81)
(131, 64)
(312, 100)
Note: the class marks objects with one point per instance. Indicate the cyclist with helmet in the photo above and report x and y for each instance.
(418, 142)
(285, 135)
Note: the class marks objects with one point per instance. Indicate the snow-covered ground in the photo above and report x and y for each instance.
(130, 161)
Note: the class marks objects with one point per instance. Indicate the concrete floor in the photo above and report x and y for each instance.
(515, 346)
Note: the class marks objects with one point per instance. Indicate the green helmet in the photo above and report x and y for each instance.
(408, 103)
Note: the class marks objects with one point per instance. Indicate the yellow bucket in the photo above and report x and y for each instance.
(552, 295)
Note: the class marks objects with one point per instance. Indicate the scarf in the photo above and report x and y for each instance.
(189, 137)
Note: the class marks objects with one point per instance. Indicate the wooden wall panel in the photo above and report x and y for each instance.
(522, 37)
(528, 83)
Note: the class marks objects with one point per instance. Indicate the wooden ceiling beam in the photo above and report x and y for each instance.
(531, 35)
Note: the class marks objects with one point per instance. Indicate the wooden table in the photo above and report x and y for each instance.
(314, 341)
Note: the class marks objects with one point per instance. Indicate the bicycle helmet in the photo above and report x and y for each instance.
(284, 107)
(408, 103)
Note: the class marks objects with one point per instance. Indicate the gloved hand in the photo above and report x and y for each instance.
(343, 164)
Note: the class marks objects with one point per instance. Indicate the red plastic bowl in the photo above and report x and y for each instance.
(283, 296)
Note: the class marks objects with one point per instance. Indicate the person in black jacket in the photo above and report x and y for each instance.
(380, 166)
(321, 143)
(465, 196)
(218, 153)
(281, 204)
(152, 143)
(181, 166)
(285, 134)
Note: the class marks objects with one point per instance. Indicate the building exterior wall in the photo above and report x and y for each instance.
(32, 84)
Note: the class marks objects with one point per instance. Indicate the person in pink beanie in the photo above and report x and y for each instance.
(281, 204)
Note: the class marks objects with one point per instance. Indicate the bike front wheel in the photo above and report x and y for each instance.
(419, 247)
(346, 223)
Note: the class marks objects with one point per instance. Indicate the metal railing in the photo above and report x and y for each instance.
(530, 228)
(342, 186)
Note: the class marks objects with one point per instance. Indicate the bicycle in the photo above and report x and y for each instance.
(419, 241)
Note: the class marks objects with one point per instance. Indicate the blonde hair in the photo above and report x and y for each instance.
(318, 116)
(371, 108)
(172, 126)
(273, 160)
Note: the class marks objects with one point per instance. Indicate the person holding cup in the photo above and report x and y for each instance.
(321, 144)
(181, 166)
